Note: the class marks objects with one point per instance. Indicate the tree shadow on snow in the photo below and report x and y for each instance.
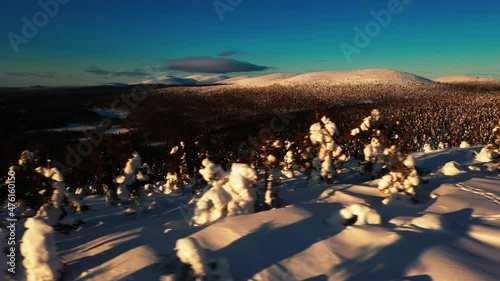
(271, 245)
(392, 261)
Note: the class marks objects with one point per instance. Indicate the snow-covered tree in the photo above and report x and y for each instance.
(402, 178)
(135, 176)
(59, 191)
(491, 152)
(178, 165)
(38, 248)
(288, 160)
(377, 136)
(330, 156)
(226, 194)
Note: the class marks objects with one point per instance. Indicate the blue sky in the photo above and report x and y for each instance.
(94, 42)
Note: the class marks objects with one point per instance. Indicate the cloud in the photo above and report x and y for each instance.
(230, 53)
(97, 71)
(134, 73)
(138, 72)
(214, 65)
(31, 74)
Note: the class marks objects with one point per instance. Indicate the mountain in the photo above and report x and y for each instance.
(116, 84)
(261, 81)
(170, 80)
(366, 76)
(465, 79)
(207, 80)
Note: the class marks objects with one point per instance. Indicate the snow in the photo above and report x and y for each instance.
(451, 234)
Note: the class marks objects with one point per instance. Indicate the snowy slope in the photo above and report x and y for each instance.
(452, 234)
(366, 76)
(465, 79)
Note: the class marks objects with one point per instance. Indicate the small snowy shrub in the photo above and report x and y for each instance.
(464, 144)
(38, 248)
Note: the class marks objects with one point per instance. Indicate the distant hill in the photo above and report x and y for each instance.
(170, 80)
(465, 79)
(366, 76)
(206, 79)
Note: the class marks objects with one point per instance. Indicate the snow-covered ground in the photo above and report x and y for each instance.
(451, 234)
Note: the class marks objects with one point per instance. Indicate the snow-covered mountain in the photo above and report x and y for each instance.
(366, 76)
(170, 80)
(206, 79)
(259, 81)
(465, 79)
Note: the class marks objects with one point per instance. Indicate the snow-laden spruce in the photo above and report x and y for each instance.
(129, 175)
(326, 165)
(38, 248)
(288, 160)
(402, 178)
(131, 184)
(228, 194)
(374, 129)
(59, 191)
